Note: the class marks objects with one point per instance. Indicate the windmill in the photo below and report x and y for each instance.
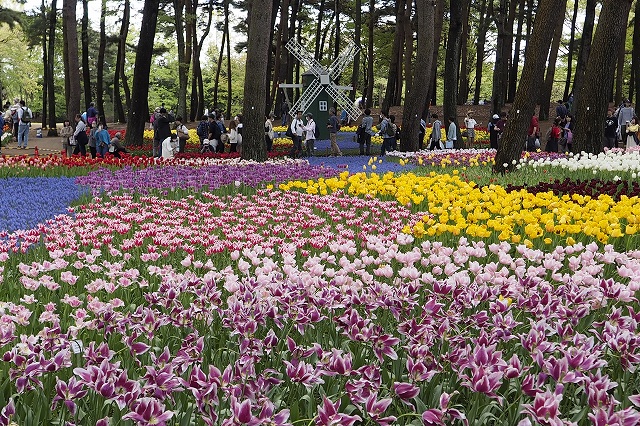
(323, 80)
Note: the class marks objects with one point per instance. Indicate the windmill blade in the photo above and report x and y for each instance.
(307, 60)
(343, 59)
(343, 101)
(308, 96)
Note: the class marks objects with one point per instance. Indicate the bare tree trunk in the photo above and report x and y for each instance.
(497, 94)
(86, 71)
(483, 26)
(372, 22)
(635, 57)
(592, 105)
(183, 59)
(585, 49)
(319, 29)
(515, 64)
(51, 89)
(45, 57)
(229, 77)
(451, 63)
(395, 66)
(72, 77)
(463, 77)
(219, 66)
(437, 27)
(523, 108)
(197, 83)
(139, 108)
(118, 77)
(571, 48)
(100, 65)
(253, 145)
(547, 87)
(620, 72)
(271, 75)
(408, 54)
(356, 61)
(419, 90)
(338, 43)
(281, 58)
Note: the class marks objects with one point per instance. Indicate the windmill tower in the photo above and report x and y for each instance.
(319, 90)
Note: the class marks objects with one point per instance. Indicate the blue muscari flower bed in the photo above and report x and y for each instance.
(355, 163)
(27, 201)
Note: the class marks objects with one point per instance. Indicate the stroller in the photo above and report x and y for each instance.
(208, 146)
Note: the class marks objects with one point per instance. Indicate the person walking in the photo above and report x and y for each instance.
(268, 132)
(310, 134)
(367, 126)
(553, 136)
(452, 133)
(625, 114)
(65, 134)
(470, 123)
(610, 131)
(333, 127)
(297, 128)
(493, 131)
(436, 133)
(24, 123)
(285, 113)
(80, 136)
(533, 134)
(235, 137)
(102, 141)
(388, 134)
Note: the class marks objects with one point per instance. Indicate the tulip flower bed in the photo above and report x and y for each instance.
(214, 292)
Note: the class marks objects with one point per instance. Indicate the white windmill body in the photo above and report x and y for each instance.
(319, 88)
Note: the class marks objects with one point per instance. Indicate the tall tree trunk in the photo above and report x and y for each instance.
(197, 84)
(119, 77)
(373, 17)
(271, 75)
(395, 66)
(497, 94)
(571, 48)
(585, 49)
(592, 103)
(463, 77)
(100, 64)
(45, 58)
(72, 77)
(513, 73)
(408, 54)
(635, 57)
(547, 87)
(229, 77)
(620, 71)
(524, 104)
(356, 61)
(293, 64)
(86, 71)
(451, 63)
(338, 43)
(419, 90)
(483, 27)
(183, 59)
(219, 66)
(319, 29)
(51, 89)
(437, 30)
(253, 145)
(281, 66)
(139, 107)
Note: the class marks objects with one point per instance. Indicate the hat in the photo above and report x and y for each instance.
(157, 109)
(496, 116)
(163, 110)
(205, 142)
(309, 115)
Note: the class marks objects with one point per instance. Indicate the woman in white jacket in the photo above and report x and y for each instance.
(235, 137)
(310, 138)
(169, 146)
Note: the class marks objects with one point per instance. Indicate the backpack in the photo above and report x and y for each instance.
(26, 115)
(289, 133)
(316, 131)
(390, 131)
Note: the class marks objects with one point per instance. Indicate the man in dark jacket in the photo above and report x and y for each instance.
(162, 126)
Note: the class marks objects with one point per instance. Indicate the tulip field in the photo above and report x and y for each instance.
(414, 289)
